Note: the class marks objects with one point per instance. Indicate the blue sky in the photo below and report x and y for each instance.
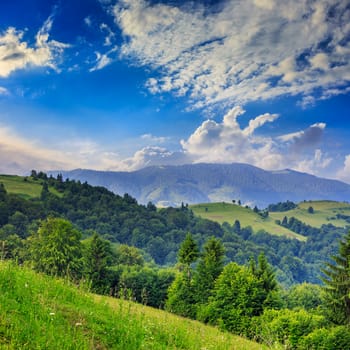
(120, 85)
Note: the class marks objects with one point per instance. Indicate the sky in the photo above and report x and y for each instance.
(121, 85)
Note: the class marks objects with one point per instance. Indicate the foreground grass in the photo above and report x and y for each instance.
(221, 212)
(39, 312)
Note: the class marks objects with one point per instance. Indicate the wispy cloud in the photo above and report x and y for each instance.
(103, 59)
(19, 154)
(154, 139)
(243, 51)
(3, 91)
(16, 53)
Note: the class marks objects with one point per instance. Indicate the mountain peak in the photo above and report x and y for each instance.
(204, 182)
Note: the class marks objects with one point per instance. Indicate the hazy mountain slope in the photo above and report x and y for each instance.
(198, 183)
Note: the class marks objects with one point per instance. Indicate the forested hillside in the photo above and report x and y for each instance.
(208, 182)
(226, 275)
(157, 232)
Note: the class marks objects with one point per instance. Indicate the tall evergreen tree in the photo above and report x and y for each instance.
(188, 253)
(208, 269)
(337, 284)
(181, 294)
(97, 257)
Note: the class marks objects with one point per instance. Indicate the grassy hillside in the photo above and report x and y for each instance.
(228, 212)
(26, 187)
(325, 212)
(39, 312)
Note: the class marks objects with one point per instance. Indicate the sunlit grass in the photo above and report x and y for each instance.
(39, 312)
(324, 213)
(221, 212)
(25, 187)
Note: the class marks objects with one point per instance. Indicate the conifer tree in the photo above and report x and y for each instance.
(337, 282)
(209, 268)
(181, 294)
(98, 254)
(188, 253)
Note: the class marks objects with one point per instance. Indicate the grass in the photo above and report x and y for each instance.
(26, 187)
(228, 212)
(324, 213)
(40, 312)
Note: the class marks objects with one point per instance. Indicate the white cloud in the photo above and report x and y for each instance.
(154, 139)
(244, 51)
(152, 156)
(19, 154)
(304, 138)
(15, 53)
(227, 142)
(313, 164)
(103, 60)
(344, 173)
(110, 36)
(3, 91)
(213, 141)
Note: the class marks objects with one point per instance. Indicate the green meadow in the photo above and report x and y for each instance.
(324, 212)
(41, 312)
(25, 187)
(228, 212)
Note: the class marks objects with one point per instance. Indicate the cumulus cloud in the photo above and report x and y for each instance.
(243, 51)
(228, 142)
(344, 173)
(224, 141)
(303, 139)
(16, 53)
(152, 156)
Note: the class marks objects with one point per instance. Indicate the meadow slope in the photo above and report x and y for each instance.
(40, 312)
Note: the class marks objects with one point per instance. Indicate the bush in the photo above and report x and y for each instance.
(286, 326)
(337, 338)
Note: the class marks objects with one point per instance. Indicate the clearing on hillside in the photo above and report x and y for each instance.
(221, 212)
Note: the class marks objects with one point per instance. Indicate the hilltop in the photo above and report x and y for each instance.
(38, 311)
(203, 183)
(323, 213)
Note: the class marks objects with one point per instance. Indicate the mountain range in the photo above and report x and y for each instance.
(201, 183)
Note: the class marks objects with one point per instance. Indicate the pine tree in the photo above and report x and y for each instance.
(268, 284)
(98, 254)
(181, 294)
(209, 268)
(337, 282)
(188, 253)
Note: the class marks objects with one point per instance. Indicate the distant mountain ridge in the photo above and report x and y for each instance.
(199, 183)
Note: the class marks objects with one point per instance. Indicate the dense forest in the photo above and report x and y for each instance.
(121, 220)
(224, 275)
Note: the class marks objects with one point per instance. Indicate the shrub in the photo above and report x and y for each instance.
(337, 338)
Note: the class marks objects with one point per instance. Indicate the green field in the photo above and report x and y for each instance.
(40, 312)
(324, 213)
(228, 212)
(26, 187)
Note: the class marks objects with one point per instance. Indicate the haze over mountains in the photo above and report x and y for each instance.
(199, 183)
